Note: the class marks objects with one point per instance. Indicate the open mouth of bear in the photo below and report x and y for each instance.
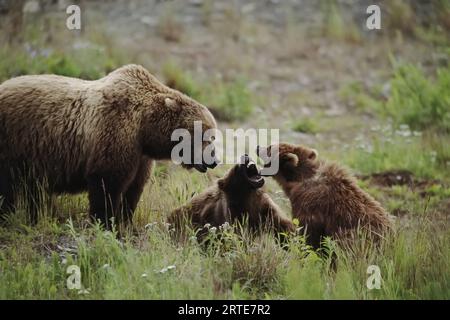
(252, 173)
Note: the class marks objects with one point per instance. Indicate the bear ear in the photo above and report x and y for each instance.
(292, 158)
(313, 155)
(170, 103)
(221, 184)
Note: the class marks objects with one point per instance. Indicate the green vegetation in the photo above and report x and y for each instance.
(357, 96)
(86, 63)
(306, 125)
(182, 81)
(418, 101)
(400, 124)
(426, 156)
(229, 101)
(416, 138)
(336, 25)
(148, 264)
(400, 17)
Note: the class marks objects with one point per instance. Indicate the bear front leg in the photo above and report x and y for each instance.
(6, 194)
(282, 226)
(134, 192)
(314, 232)
(104, 198)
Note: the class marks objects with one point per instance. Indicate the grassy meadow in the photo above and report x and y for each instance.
(378, 103)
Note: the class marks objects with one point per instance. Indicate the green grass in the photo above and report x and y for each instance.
(52, 49)
(354, 94)
(147, 264)
(427, 156)
(182, 81)
(229, 101)
(306, 125)
(400, 17)
(85, 63)
(337, 26)
(418, 101)
(416, 124)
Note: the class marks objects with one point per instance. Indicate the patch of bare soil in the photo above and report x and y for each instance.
(392, 178)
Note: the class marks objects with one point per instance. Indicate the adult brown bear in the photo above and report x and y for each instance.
(101, 136)
(324, 196)
(236, 197)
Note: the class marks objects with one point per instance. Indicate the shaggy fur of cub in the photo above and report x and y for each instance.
(234, 198)
(325, 197)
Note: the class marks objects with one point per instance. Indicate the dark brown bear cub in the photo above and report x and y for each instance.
(234, 198)
(324, 197)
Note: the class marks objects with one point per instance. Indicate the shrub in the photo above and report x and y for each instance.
(230, 101)
(419, 102)
(336, 25)
(182, 81)
(306, 125)
(89, 64)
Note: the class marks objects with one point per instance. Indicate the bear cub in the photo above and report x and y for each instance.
(234, 198)
(325, 198)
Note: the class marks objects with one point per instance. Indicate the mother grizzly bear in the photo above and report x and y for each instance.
(69, 135)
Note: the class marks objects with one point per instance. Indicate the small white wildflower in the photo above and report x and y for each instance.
(164, 270)
(106, 266)
(144, 275)
(213, 230)
(207, 226)
(225, 226)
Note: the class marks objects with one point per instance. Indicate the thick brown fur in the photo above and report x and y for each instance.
(98, 136)
(232, 199)
(325, 197)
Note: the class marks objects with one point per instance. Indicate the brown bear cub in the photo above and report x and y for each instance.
(324, 197)
(234, 198)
